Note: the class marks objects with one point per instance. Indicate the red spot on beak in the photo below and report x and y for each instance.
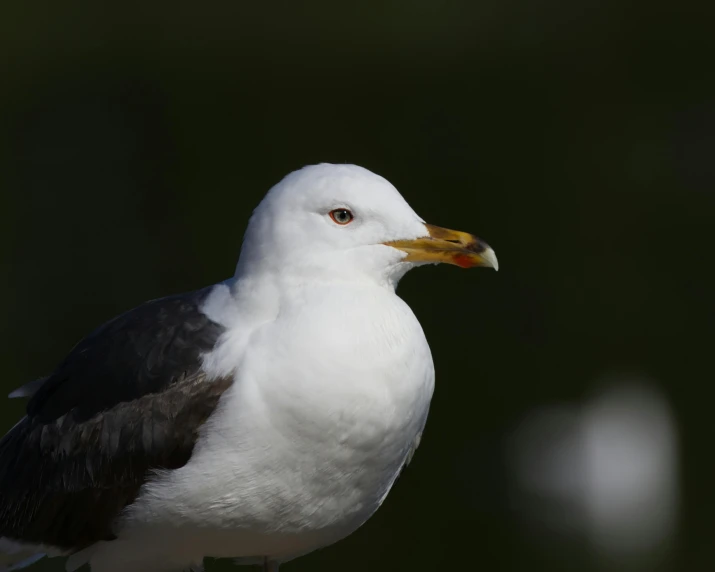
(463, 260)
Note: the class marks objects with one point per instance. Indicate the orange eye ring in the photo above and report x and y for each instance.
(341, 216)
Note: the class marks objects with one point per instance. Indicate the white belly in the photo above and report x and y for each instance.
(308, 441)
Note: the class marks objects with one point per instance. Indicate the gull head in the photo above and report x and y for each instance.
(343, 222)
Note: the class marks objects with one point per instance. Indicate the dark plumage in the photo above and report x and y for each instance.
(81, 454)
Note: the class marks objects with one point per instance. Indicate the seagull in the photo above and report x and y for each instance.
(259, 418)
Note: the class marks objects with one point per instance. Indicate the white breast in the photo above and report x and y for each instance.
(328, 399)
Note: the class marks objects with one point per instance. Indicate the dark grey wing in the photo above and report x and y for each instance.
(142, 351)
(129, 399)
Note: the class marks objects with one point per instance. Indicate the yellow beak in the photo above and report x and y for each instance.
(450, 246)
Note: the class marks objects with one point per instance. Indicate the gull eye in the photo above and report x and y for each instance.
(341, 216)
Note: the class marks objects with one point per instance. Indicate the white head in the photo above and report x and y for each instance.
(343, 222)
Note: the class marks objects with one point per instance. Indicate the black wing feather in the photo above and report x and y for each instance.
(130, 398)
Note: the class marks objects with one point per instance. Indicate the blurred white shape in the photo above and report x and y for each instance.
(606, 472)
(629, 437)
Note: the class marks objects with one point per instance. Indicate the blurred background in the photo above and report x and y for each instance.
(572, 424)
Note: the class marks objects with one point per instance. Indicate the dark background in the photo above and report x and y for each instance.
(576, 137)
